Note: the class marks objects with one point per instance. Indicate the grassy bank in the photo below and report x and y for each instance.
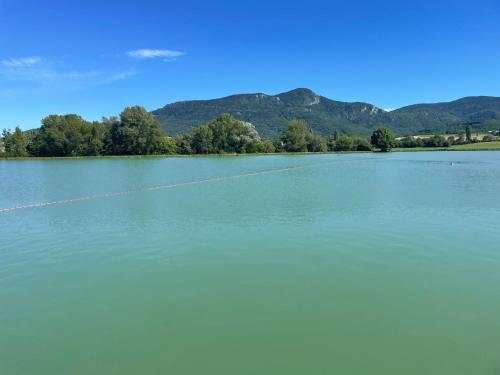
(482, 146)
(478, 146)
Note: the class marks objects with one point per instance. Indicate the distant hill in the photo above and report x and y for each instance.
(483, 112)
(270, 114)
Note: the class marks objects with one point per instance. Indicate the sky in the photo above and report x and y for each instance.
(94, 58)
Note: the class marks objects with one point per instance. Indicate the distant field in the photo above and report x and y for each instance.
(469, 147)
(477, 136)
(478, 146)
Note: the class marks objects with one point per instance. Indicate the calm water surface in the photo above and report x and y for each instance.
(352, 264)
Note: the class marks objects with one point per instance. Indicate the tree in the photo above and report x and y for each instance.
(201, 140)
(294, 139)
(383, 139)
(224, 134)
(360, 144)
(169, 146)
(468, 133)
(15, 143)
(279, 146)
(261, 147)
(107, 142)
(335, 135)
(344, 143)
(68, 135)
(94, 140)
(2, 144)
(136, 133)
(183, 144)
(461, 139)
(315, 143)
(268, 147)
(436, 141)
(330, 143)
(231, 135)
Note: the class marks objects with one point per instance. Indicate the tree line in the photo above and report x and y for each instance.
(137, 132)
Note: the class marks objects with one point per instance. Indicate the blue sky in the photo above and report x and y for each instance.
(96, 57)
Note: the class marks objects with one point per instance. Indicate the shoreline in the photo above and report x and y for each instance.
(182, 155)
(418, 149)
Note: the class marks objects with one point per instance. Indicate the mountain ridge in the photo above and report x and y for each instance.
(270, 114)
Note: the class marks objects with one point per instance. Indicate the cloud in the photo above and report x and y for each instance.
(36, 76)
(36, 70)
(166, 54)
(120, 76)
(21, 62)
(389, 109)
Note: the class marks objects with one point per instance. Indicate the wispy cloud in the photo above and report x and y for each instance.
(34, 69)
(119, 76)
(166, 54)
(31, 75)
(21, 62)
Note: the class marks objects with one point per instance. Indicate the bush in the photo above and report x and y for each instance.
(344, 143)
(489, 138)
(361, 144)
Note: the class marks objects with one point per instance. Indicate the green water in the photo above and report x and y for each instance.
(353, 264)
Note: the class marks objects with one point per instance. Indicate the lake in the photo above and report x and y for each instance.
(320, 264)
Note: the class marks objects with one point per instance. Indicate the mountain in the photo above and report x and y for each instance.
(270, 114)
(482, 112)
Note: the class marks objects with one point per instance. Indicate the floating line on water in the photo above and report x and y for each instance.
(163, 187)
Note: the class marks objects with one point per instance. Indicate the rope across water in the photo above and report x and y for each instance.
(162, 187)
